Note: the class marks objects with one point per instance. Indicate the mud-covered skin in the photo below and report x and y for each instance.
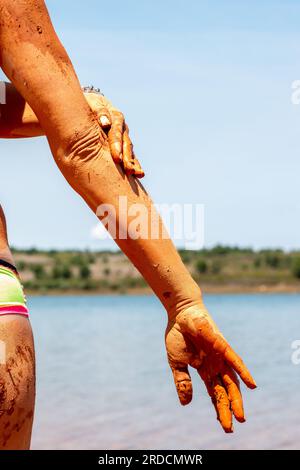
(4, 248)
(17, 383)
(89, 169)
(193, 339)
(17, 370)
(18, 120)
(81, 151)
(38, 66)
(40, 69)
(78, 143)
(120, 144)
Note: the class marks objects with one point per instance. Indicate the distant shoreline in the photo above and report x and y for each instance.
(206, 289)
(218, 270)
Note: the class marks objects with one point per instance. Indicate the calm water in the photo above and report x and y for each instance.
(104, 383)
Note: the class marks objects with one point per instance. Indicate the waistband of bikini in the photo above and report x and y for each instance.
(12, 297)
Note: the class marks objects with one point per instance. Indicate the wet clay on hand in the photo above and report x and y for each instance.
(193, 339)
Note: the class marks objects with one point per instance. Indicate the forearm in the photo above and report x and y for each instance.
(134, 223)
(79, 147)
(17, 119)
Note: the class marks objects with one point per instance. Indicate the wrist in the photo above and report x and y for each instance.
(192, 299)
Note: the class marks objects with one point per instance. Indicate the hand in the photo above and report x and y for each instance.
(113, 123)
(193, 339)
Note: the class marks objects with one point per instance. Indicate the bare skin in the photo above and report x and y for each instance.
(81, 151)
(18, 120)
(17, 374)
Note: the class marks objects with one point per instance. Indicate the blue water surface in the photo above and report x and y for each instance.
(104, 382)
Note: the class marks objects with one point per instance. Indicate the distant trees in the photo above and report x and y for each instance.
(225, 249)
(272, 260)
(84, 271)
(296, 267)
(61, 271)
(21, 265)
(201, 266)
(43, 270)
(216, 267)
(38, 270)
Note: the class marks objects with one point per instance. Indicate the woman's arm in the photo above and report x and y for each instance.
(40, 69)
(18, 120)
(34, 59)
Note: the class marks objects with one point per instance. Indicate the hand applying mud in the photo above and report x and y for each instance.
(113, 123)
(193, 339)
(17, 119)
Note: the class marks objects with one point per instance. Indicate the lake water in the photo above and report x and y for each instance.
(104, 382)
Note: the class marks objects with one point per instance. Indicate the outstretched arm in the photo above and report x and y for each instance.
(81, 151)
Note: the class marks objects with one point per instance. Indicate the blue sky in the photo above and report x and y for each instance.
(206, 88)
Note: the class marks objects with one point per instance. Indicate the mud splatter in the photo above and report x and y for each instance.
(167, 294)
(11, 378)
(3, 395)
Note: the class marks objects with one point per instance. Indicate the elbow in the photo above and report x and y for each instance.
(80, 155)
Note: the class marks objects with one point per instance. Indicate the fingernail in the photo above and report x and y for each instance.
(254, 384)
(229, 431)
(118, 148)
(140, 175)
(104, 121)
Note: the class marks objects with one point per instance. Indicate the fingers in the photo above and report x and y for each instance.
(119, 141)
(128, 159)
(220, 400)
(232, 386)
(183, 384)
(138, 171)
(112, 121)
(130, 162)
(211, 341)
(221, 346)
(222, 406)
(115, 136)
(238, 365)
(101, 108)
(104, 118)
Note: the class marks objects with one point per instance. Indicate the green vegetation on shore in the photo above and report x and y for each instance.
(221, 268)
